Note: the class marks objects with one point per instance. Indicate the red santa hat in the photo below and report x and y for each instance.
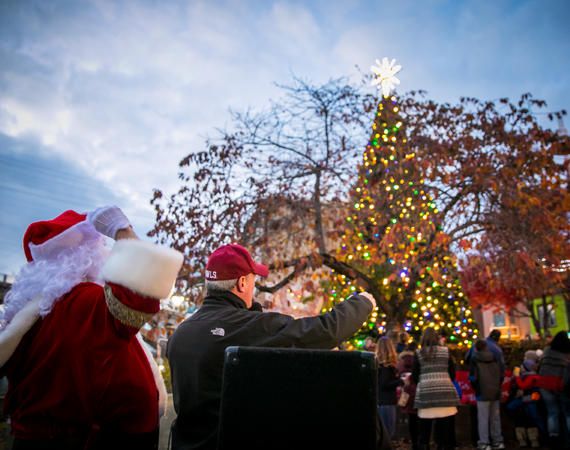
(46, 238)
(37, 287)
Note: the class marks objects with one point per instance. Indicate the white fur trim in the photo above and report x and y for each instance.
(13, 333)
(158, 380)
(143, 267)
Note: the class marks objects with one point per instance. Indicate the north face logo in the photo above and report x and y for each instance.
(218, 332)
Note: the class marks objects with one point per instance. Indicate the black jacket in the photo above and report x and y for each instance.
(196, 354)
(388, 382)
(485, 375)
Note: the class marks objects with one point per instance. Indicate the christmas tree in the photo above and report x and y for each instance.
(392, 235)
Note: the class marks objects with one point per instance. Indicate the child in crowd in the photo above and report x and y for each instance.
(523, 403)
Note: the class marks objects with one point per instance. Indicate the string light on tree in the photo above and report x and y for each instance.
(393, 234)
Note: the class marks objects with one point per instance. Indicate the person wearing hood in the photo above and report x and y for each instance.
(553, 368)
(485, 375)
(493, 346)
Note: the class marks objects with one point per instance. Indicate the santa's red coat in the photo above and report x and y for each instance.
(79, 368)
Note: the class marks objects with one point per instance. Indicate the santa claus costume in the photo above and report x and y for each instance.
(78, 375)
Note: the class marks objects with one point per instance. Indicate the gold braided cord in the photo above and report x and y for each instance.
(124, 314)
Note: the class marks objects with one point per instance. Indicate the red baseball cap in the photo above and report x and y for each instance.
(232, 261)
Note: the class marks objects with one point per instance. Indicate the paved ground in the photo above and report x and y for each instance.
(404, 445)
(170, 415)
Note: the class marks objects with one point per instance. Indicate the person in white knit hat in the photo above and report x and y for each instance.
(78, 375)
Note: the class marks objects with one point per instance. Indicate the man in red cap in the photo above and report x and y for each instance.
(78, 375)
(228, 317)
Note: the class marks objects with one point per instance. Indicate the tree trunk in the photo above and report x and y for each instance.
(319, 234)
(545, 315)
(534, 317)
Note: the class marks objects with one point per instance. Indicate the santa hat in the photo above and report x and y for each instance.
(47, 238)
(61, 253)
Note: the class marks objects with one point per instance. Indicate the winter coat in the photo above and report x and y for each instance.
(494, 348)
(196, 353)
(388, 382)
(100, 372)
(406, 364)
(485, 375)
(552, 369)
(433, 377)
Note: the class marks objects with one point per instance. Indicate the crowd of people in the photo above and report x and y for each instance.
(80, 378)
(73, 315)
(422, 384)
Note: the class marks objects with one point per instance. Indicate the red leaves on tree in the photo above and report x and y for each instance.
(279, 182)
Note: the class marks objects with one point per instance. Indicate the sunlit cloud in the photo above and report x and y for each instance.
(122, 90)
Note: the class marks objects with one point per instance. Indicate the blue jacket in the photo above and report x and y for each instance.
(484, 375)
(494, 348)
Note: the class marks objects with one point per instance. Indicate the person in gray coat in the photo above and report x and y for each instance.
(485, 376)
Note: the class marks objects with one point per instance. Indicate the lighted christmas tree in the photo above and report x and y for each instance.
(393, 236)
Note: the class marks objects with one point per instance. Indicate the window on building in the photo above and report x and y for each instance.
(551, 315)
(499, 319)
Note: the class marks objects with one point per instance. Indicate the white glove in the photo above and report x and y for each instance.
(107, 220)
(370, 298)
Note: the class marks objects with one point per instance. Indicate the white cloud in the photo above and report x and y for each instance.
(129, 92)
(125, 89)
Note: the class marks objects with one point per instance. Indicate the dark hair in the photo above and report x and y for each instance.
(560, 342)
(412, 346)
(430, 339)
(480, 345)
(495, 335)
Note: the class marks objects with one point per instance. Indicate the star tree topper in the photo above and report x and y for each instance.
(385, 72)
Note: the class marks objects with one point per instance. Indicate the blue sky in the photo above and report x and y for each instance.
(99, 100)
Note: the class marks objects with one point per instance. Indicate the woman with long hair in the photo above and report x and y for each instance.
(388, 382)
(436, 397)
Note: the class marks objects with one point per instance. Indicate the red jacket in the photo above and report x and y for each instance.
(80, 367)
(550, 382)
